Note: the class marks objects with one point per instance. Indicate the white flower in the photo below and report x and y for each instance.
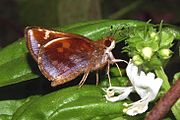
(146, 85)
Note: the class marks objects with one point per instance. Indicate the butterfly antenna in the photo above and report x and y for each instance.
(116, 31)
(111, 33)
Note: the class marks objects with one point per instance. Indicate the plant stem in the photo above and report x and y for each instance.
(125, 10)
(161, 74)
(165, 87)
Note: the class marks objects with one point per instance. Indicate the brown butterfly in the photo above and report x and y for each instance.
(62, 57)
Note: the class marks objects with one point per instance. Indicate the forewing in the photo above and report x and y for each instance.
(36, 37)
(65, 58)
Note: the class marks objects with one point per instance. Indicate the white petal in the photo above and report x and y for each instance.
(151, 75)
(142, 74)
(155, 88)
(143, 83)
(137, 107)
(122, 92)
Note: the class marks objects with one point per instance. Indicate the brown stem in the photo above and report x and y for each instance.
(165, 103)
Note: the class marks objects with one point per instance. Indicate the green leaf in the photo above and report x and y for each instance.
(176, 109)
(15, 71)
(19, 111)
(70, 103)
(8, 107)
(166, 39)
(13, 51)
(176, 77)
(5, 117)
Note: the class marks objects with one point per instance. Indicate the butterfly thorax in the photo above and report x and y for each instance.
(103, 53)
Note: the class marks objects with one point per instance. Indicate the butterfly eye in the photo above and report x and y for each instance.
(107, 42)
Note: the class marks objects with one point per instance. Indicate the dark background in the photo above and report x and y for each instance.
(15, 15)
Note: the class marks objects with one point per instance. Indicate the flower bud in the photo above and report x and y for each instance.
(137, 60)
(147, 53)
(154, 35)
(165, 53)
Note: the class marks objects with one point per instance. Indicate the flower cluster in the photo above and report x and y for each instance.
(149, 47)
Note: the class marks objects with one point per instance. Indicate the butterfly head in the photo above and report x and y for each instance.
(109, 43)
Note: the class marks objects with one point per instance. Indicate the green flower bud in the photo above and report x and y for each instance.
(154, 35)
(165, 53)
(147, 53)
(137, 60)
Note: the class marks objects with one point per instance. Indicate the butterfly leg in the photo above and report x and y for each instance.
(83, 79)
(97, 77)
(119, 60)
(108, 70)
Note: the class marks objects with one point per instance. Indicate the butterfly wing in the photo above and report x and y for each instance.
(36, 37)
(63, 59)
